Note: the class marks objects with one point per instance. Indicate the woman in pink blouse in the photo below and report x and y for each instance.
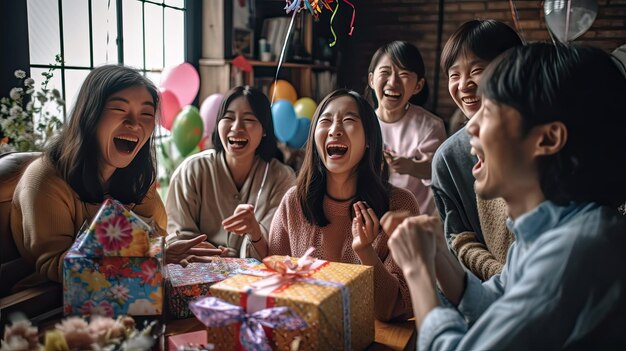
(341, 192)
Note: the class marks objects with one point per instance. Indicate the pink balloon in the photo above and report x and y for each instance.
(208, 112)
(183, 81)
(169, 108)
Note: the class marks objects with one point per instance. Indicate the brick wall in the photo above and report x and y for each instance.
(381, 21)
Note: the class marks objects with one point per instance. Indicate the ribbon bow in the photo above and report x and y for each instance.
(285, 271)
(214, 312)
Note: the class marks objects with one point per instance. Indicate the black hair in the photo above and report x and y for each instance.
(583, 88)
(406, 56)
(373, 174)
(74, 154)
(260, 105)
(485, 39)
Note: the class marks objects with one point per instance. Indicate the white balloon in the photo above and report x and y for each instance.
(582, 13)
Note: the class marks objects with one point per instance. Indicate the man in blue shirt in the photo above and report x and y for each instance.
(545, 138)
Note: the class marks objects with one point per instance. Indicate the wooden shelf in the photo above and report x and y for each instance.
(256, 63)
(217, 75)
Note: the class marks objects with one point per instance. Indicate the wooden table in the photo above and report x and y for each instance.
(387, 336)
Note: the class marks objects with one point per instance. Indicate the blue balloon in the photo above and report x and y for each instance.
(285, 122)
(302, 134)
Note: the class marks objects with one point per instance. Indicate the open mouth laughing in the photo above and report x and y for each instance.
(478, 166)
(392, 94)
(471, 100)
(125, 144)
(336, 150)
(237, 143)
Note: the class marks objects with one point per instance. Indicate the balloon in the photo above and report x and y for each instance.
(284, 91)
(187, 130)
(305, 107)
(208, 112)
(285, 122)
(169, 108)
(183, 81)
(302, 134)
(191, 108)
(582, 13)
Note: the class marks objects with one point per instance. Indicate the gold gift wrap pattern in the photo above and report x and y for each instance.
(320, 306)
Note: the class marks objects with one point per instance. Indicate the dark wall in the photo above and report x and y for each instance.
(14, 43)
(381, 21)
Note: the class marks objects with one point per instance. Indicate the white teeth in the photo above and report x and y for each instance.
(337, 146)
(128, 138)
(475, 153)
(238, 140)
(470, 100)
(391, 93)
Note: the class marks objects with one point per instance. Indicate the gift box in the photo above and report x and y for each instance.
(185, 284)
(334, 299)
(114, 267)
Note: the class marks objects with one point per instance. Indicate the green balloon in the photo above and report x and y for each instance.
(191, 108)
(187, 130)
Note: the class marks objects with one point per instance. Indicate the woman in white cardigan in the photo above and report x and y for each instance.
(231, 192)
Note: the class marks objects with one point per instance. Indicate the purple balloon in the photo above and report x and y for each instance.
(183, 81)
(208, 112)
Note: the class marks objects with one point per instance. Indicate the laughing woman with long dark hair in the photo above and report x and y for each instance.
(342, 191)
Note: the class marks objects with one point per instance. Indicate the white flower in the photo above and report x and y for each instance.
(119, 292)
(16, 93)
(17, 117)
(15, 110)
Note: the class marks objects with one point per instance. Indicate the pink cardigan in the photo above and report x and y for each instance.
(291, 234)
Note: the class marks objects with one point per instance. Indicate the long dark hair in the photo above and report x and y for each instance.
(373, 175)
(74, 154)
(406, 56)
(583, 88)
(260, 105)
(485, 39)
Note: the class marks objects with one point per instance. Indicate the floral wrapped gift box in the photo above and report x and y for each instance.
(114, 267)
(185, 284)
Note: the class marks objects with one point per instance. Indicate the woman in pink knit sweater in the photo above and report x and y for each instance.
(341, 192)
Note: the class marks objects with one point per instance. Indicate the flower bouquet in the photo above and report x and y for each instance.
(75, 333)
(29, 118)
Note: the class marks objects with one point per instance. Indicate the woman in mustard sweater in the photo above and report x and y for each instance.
(106, 150)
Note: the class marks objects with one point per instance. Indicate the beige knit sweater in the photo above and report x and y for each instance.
(486, 260)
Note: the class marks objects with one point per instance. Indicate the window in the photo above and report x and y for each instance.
(146, 34)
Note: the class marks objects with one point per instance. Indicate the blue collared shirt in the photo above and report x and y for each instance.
(562, 287)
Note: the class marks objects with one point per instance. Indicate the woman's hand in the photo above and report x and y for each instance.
(365, 227)
(408, 165)
(243, 222)
(227, 251)
(184, 252)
